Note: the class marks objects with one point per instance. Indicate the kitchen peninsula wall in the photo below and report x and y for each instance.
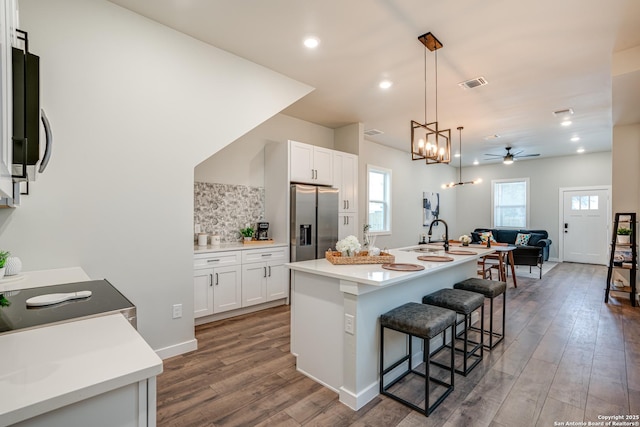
(223, 209)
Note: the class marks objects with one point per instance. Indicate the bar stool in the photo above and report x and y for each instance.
(422, 321)
(463, 303)
(490, 289)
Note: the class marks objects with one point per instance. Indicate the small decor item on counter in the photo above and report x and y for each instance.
(202, 239)
(215, 240)
(465, 240)
(13, 266)
(624, 235)
(349, 246)
(247, 232)
(3, 260)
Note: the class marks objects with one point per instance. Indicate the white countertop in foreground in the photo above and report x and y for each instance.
(35, 279)
(236, 246)
(47, 368)
(374, 274)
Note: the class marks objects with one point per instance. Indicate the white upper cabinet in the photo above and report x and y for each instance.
(310, 164)
(8, 24)
(345, 178)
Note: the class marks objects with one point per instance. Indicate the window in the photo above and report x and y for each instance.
(378, 199)
(510, 201)
(584, 203)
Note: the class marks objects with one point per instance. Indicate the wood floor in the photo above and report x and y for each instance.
(567, 357)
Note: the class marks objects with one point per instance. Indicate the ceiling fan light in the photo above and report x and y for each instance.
(508, 160)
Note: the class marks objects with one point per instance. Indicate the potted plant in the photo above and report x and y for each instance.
(247, 233)
(3, 259)
(624, 235)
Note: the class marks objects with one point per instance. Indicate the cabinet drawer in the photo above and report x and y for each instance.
(216, 259)
(261, 255)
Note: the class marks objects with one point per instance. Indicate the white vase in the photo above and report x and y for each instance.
(13, 266)
(623, 238)
(248, 239)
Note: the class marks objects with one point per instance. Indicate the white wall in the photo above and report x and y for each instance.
(134, 106)
(546, 176)
(242, 163)
(409, 179)
(626, 168)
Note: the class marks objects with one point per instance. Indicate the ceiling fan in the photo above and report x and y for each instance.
(510, 157)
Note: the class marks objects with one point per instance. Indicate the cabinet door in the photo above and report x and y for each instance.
(202, 292)
(254, 283)
(227, 288)
(347, 225)
(301, 163)
(323, 165)
(7, 25)
(345, 178)
(277, 283)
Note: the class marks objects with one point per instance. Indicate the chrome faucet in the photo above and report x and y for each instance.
(446, 233)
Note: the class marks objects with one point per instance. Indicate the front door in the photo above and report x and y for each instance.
(585, 225)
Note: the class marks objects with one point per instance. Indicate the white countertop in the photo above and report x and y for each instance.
(34, 279)
(374, 274)
(48, 368)
(236, 246)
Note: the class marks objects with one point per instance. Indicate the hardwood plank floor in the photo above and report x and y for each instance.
(567, 356)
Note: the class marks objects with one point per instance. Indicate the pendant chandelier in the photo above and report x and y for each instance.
(428, 141)
(460, 182)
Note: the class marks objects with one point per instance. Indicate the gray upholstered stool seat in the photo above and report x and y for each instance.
(422, 321)
(490, 289)
(463, 303)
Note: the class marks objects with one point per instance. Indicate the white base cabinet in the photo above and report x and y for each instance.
(232, 280)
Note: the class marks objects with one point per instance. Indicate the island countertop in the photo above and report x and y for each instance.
(375, 275)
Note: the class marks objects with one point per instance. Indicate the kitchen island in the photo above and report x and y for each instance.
(335, 310)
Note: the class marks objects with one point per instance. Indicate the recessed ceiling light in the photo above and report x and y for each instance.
(385, 84)
(575, 139)
(456, 155)
(475, 162)
(580, 150)
(566, 123)
(311, 42)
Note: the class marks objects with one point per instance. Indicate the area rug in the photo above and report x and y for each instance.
(523, 270)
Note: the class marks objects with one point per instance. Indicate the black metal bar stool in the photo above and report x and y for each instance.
(463, 303)
(422, 321)
(490, 289)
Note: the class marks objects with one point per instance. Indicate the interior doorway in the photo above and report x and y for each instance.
(585, 215)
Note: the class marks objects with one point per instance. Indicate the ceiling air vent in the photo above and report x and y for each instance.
(373, 132)
(472, 83)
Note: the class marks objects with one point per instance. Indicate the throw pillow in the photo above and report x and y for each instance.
(522, 239)
(475, 237)
(486, 236)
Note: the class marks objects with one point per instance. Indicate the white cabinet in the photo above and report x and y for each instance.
(216, 283)
(230, 280)
(347, 225)
(310, 164)
(263, 276)
(8, 24)
(345, 179)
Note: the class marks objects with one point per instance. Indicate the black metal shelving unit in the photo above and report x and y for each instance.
(623, 249)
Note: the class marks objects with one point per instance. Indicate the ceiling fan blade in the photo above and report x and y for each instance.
(494, 155)
(529, 155)
(517, 153)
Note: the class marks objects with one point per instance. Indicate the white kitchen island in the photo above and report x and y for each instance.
(335, 310)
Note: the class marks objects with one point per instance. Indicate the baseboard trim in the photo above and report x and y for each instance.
(177, 349)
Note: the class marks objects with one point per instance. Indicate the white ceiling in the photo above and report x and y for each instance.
(538, 57)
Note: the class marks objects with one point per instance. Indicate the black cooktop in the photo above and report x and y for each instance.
(104, 299)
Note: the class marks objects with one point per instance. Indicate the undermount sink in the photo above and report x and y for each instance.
(425, 249)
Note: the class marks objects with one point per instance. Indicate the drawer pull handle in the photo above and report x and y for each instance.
(265, 271)
(216, 279)
(210, 279)
(267, 254)
(269, 271)
(213, 260)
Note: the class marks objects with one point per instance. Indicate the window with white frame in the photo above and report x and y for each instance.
(378, 199)
(510, 203)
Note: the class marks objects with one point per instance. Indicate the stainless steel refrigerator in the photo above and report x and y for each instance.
(314, 221)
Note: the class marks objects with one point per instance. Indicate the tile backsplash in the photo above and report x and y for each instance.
(224, 209)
